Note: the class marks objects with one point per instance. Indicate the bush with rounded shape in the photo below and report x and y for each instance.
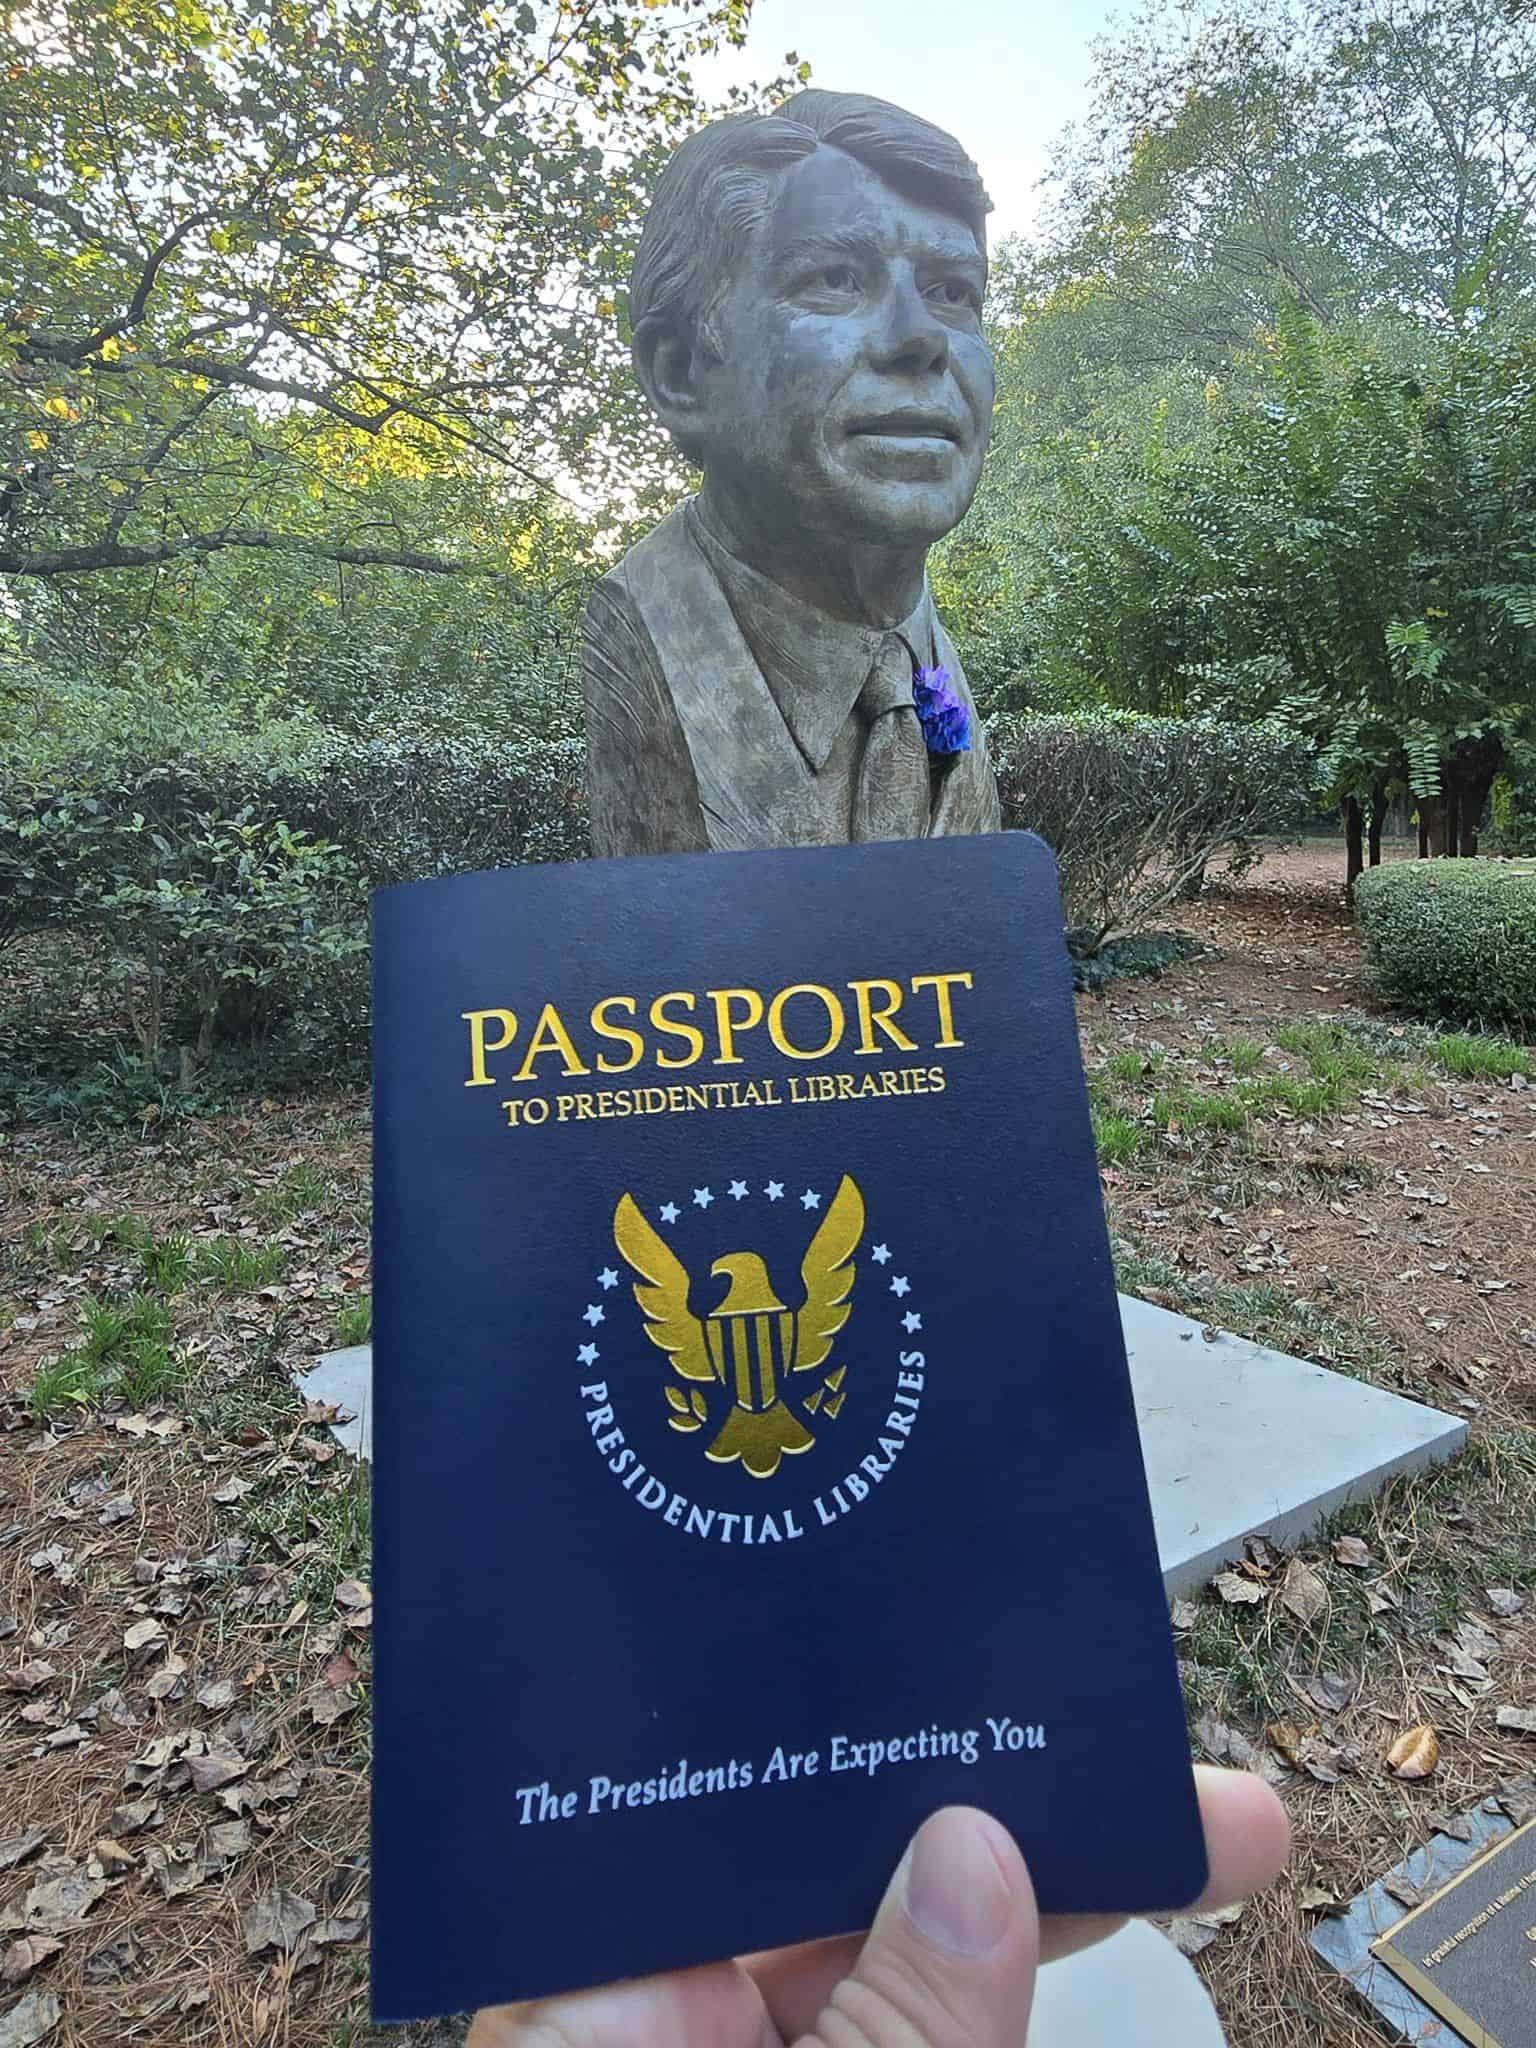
(1453, 938)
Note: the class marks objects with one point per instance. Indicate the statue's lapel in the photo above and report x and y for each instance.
(755, 786)
(967, 797)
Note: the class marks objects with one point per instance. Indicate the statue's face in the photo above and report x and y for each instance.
(855, 396)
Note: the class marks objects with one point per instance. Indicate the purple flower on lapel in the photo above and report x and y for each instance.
(941, 713)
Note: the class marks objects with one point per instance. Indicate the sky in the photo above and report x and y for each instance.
(1003, 76)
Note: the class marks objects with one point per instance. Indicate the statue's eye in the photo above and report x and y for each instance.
(957, 292)
(838, 277)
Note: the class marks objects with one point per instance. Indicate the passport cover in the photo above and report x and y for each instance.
(755, 1464)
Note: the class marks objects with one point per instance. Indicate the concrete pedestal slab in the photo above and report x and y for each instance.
(1239, 1441)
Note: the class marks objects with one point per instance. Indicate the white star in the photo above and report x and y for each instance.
(810, 1199)
(911, 1321)
(702, 1198)
(900, 1284)
(880, 1254)
(586, 1354)
(592, 1314)
(774, 1190)
(669, 1212)
(608, 1277)
(738, 1190)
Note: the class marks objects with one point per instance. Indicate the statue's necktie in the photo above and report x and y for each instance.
(891, 796)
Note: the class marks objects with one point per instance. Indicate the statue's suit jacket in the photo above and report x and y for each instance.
(687, 749)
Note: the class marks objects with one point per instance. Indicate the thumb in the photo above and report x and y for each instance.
(950, 1960)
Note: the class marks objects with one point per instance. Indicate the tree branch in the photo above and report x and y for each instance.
(16, 561)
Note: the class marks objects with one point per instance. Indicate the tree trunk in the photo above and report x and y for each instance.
(1354, 842)
(1432, 825)
(1378, 820)
(1423, 817)
(1481, 764)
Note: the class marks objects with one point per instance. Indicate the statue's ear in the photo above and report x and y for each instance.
(671, 370)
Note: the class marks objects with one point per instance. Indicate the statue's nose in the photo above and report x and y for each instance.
(910, 337)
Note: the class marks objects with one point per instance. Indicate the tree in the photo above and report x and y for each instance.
(1361, 157)
(1345, 548)
(243, 242)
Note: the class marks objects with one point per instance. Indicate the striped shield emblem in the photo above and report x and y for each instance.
(751, 1353)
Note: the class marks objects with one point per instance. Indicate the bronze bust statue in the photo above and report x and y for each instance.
(765, 668)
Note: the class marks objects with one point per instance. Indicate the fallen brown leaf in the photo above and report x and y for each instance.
(1352, 1550)
(58, 1904)
(1331, 1691)
(277, 1921)
(1238, 1591)
(218, 1767)
(31, 2021)
(1517, 1720)
(29, 1678)
(26, 1955)
(1303, 1592)
(1415, 1753)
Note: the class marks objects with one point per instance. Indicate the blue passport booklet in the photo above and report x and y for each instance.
(755, 1463)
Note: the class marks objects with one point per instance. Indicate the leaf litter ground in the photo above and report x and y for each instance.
(184, 1610)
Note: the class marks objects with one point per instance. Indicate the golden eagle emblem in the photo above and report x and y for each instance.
(750, 1343)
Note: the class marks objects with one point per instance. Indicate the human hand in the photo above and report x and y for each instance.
(949, 1963)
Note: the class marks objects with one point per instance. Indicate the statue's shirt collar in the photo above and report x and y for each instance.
(814, 665)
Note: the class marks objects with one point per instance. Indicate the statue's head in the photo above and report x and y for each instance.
(806, 308)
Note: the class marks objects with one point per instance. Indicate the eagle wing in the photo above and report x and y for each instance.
(828, 1275)
(662, 1292)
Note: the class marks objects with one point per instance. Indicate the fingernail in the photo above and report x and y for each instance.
(957, 1895)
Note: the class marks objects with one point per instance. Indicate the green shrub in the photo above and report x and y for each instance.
(1137, 810)
(226, 893)
(1454, 938)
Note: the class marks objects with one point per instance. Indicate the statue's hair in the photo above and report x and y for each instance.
(719, 184)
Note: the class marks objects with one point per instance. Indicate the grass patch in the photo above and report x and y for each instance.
(112, 1328)
(335, 1516)
(298, 1190)
(1242, 1055)
(167, 1263)
(150, 1372)
(1332, 1051)
(1131, 1067)
(72, 1378)
(1237, 1660)
(354, 1320)
(124, 1349)
(237, 1267)
(1195, 1109)
(1476, 1056)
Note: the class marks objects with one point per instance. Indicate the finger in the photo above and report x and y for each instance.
(1247, 1835)
(715, 2007)
(950, 1960)
(1247, 1839)
(796, 1983)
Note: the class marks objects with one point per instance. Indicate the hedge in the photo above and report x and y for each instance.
(1137, 809)
(1453, 938)
(228, 890)
(224, 891)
